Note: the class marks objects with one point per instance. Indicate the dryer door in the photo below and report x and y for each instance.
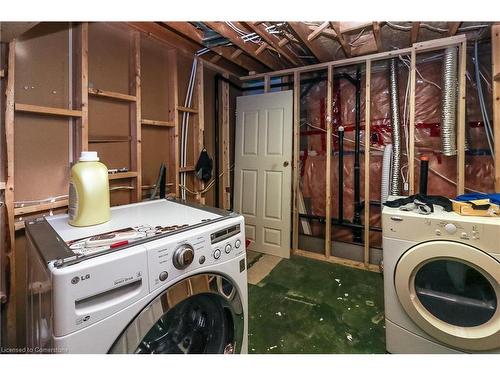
(452, 292)
(200, 314)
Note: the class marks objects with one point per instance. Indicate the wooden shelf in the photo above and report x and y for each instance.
(187, 169)
(497, 77)
(19, 107)
(18, 225)
(185, 109)
(109, 139)
(168, 124)
(40, 207)
(112, 95)
(121, 175)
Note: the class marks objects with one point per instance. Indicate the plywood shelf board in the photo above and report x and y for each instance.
(169, 124)
(30, 108)
(40, 207)
(112, 95)
(122, 175)
(185, 109)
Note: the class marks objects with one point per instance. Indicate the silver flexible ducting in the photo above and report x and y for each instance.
(396, 127)
(449, 102)
(386, 173)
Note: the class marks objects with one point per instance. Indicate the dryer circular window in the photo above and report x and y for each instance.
(200, 314)
(453, 295)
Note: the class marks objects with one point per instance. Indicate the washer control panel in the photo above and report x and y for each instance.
(173, 256)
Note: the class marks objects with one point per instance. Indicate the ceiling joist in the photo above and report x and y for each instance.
(302, 32)
(340, 37)
(415, 28)
(453, 28)
(250, 48)
(275, 43)
(318, 31)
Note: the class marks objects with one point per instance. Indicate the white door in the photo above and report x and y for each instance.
(263, 170)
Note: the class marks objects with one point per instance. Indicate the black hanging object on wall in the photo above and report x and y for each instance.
(204, 166)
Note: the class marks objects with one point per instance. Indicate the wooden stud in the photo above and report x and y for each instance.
(283, 42)
(411, 130)
(80, 87)
(263, 46)
(9, 193)
(318, 31)
(328, 188)
(185, 109)
(51, 111)
(235, 54)
(135, 112)
(462, 66)
(174, 132)
(343, 42)
(453, 28)
(267, 84)
(337, 260)
(415, 28)
(296, 156)
(200, 134)
(366, 242)
(112, 95)
(495, 57)
(302, 32)
(226, 177)
(427, 46)
(377, 36)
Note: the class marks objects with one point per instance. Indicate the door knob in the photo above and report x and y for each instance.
(285, 164)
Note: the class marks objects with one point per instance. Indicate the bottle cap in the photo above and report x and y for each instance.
(89, 156)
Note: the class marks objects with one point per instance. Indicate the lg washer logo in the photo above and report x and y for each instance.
(76, 279)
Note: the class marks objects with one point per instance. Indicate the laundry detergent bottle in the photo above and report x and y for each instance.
(88, 191)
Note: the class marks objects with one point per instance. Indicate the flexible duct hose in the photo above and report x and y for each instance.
(386, 173)
(449, 102)
(396, 126)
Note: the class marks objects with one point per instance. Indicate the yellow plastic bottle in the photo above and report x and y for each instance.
(88, 191)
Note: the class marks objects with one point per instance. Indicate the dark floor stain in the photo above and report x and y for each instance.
(308, 306)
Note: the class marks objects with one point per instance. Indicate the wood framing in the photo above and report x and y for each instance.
(168, 124)
(80, 87)
(366, 234)
(122, 175)
(249, 48)
(18, 211)
(200, 134)
(340, 37)
(328, 187)
(9, 193)
(462, 66)
(377, 36)
(174, 132)
(411, 126)
(226, 176)
(302, 32)
(50, 111)
(338, 260)
(112, 95)
(453, 28)
(495, 56)
(415, 28)
(274, 42)
(315, 33)
(135, 113)
(296, 155)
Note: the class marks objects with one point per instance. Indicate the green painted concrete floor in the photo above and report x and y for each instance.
(309, 306)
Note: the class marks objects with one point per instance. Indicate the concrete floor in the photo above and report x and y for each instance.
(302, 305)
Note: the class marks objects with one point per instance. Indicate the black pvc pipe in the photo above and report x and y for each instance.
(357, 169)
(424, 171)
(341, 174)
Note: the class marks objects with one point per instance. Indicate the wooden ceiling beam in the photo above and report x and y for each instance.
(302, 32)
(377, 36)
(318, 31)
(453, 28)
(415, 28)
(189, 31)
(345, 46)
(250, 48)
(275, 43)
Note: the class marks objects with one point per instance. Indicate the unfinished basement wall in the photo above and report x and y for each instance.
(3, 226)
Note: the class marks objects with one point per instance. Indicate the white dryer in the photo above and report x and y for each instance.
(441, 282)
(160, 277)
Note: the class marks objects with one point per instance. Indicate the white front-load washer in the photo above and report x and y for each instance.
(441, 282)
(179, 286)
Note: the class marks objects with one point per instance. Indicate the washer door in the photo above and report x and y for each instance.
(452, 292)
(200, 314)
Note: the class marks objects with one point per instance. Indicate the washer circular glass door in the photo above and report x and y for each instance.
(452, 292)
(200, 314)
